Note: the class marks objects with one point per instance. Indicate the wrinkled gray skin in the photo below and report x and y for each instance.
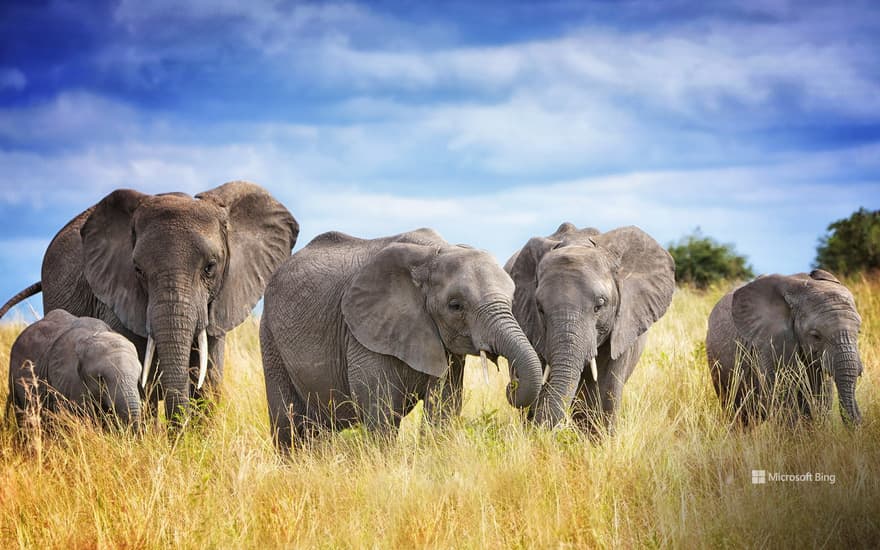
(582, 294)
(361, 330)
(774, 320)
(169, 266)
(78, 364)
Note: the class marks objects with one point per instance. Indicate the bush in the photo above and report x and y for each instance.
(851, 245)
(701, 261)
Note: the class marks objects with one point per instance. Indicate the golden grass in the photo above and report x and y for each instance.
(674, 475)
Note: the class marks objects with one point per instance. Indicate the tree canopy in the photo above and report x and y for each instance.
(852, 244)
(701, 261)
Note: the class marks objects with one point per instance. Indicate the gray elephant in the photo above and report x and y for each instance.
(585, 300)
(806, 324)
(77, 364)
(172, 273)
(361, 330)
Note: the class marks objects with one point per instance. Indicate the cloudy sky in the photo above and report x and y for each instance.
(490, 121)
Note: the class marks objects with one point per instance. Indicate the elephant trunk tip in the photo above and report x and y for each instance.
(525, 382)
(852, 416)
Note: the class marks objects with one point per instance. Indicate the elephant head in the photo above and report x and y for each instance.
(420, 303)
(175, 269)
(580, 289)
(107, 363)
(812, 318)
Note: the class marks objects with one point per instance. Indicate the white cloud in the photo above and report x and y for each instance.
(539, 115)
(72, 117)
(12, 78)
(687, 71)
(708, 66)
(774, 211)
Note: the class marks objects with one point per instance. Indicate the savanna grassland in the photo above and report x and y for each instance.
(675, 475)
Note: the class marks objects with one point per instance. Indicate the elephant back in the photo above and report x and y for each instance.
(30, 350)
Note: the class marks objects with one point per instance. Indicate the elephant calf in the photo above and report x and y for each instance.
(360, 330)
(804, 325)
(77, 364)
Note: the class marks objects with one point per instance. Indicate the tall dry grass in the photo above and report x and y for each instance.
(674, 475)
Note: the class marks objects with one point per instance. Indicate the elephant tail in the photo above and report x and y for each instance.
(26, 293)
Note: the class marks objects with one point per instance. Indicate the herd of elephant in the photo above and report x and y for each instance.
(140, 290)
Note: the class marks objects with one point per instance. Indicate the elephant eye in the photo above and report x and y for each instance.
(139, 272)
(455, 305)
(210, 268)
(814, 334)
(599, 304)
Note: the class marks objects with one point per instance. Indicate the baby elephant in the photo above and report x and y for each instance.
(77, 364)
(774, 324)
(361, 330)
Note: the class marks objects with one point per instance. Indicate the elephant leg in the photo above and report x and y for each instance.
(597, 404)
(814, 397)
(288, 412)
(444, 396)
(611, 393)
(377, 388)
(752, 400)
(587, 405)
(611, 385)
(594, 409)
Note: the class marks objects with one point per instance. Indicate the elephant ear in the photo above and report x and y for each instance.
(261, 233)
(645, 282)
(762, 316)
(384, 307)
(524, 273)
(107, 258)
(822, 275)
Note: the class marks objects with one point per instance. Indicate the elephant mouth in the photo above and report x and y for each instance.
(203, 359)
(594, 371)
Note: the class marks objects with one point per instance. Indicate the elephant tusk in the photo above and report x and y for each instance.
(485, 363)
(148, 360)
(203, 358)
(593, 370)
(546, 374)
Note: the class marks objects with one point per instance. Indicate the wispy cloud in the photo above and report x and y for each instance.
(12, 78)
(759, 122)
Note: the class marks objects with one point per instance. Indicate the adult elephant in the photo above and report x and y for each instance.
(585, 299)
(172, 273)
(804, 324)
(361, 330)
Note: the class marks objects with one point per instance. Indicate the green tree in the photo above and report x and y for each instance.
(851, 244)
(701, 261)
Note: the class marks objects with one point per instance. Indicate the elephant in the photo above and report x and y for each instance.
(802, 324)
(585, 299)
(173, 274)
(77, 364)
(358, 331)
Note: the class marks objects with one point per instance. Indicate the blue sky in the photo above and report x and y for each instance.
(492, 122)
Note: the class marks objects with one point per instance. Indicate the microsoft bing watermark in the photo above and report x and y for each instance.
(761, 477)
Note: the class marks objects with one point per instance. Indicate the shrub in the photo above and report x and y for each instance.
(852, 244)
(701, 261)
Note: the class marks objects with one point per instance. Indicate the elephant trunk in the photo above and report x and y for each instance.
(174, 325)
(846, 368)
(505, 337)
(570, 349)
(127, 406)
